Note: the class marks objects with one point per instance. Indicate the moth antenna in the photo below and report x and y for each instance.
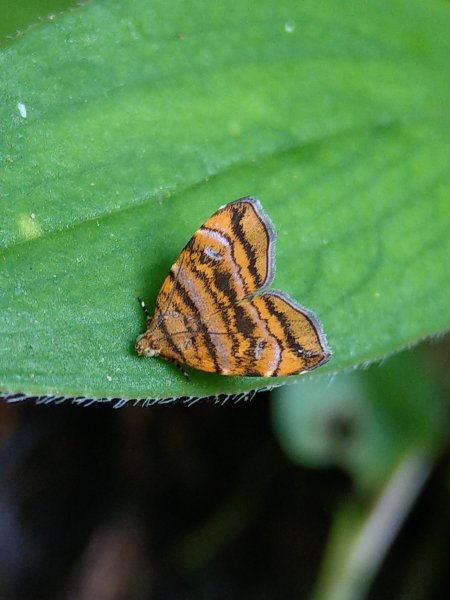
(144, 308)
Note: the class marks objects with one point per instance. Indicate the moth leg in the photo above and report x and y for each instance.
(145, 309)
(181, 368)
(178, 366)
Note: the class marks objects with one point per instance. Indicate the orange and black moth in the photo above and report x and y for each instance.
(214, 314)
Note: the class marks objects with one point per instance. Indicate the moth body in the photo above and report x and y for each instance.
(144, 346)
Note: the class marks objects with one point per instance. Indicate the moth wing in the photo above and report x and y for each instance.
(267, 335)
(205, 318)
(299, 342)
(229, 257)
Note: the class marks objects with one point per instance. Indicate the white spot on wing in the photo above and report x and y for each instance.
(213, 254)
(215, 235)
(259, 349)
(276, 358)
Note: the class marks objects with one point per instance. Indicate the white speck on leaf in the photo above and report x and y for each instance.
(289, 27)
(22, 109)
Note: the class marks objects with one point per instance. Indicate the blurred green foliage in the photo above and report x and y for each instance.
(365, 421)
(387, 426)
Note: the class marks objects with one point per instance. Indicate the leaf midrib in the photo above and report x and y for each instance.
(248, 161)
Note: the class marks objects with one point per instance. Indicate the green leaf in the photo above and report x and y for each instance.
(141, 120)
(20, 17)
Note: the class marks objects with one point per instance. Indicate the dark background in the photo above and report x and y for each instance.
(186, 502)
